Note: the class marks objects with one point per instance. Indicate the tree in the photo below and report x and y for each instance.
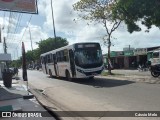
(36, 54)
(16, 63)
(132, 11)
(51, 44)
(44, 46)
(29, 56)
(100, 11)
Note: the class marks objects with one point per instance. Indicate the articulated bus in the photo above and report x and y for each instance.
(80, 60)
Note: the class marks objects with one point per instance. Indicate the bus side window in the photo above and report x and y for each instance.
(45, 59)
(60, 56)
(48, 59)
(54, 58)
(41, 58)
(65, 57)
(51, 59)
(57, 55)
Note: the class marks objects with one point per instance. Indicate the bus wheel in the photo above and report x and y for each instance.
(91, 78)
(50, 74)
(68, 76)
(154, 74)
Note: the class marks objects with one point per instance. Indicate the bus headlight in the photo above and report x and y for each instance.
(81, 71)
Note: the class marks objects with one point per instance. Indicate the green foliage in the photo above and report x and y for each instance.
(16, 63)
(33, 55)
(51, 44)
(132, 11)
(29, 55)
(100, 11)
(44, 46)
(36, 54)
(97, 10)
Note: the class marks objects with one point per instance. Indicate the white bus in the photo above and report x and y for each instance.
(155, 60)
(80, 60)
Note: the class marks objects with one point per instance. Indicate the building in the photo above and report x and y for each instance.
(130, 58)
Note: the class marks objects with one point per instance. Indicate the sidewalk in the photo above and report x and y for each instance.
(132, 75)
(11, 100)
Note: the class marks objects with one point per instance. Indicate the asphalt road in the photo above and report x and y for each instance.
(100, 94)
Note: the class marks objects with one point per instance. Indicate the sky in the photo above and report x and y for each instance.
(68, 25)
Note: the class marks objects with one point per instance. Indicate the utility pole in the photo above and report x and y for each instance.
(0, 34)
(5, 46)
(31, 44)
(30, 38)
(14, 57)
(5, 50)
(17, 53)
(129, 47)
(53, 21)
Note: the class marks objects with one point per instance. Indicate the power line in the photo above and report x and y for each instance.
(17, 25)
(25, 30)
(9, 22)
(4, 19)
(10, 32)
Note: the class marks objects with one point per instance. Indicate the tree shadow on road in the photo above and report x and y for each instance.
(102, 82)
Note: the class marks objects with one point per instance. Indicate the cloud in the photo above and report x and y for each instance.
(37, 34)
(63, 16)
(70, 26)
(140, 39)
(79, 31)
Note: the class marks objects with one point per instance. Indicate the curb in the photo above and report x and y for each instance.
(52, 106)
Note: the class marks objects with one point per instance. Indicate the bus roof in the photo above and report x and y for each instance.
(156, 50)
(68, 46)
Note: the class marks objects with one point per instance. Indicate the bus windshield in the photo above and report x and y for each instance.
(156, 55)
(90, 57)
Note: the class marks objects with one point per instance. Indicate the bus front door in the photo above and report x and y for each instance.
(55, 64)
(72, 64)
(45, 60)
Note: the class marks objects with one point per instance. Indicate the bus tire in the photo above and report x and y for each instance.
(50, 74)
(154, 74)
(91, 78)
(68, 77)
